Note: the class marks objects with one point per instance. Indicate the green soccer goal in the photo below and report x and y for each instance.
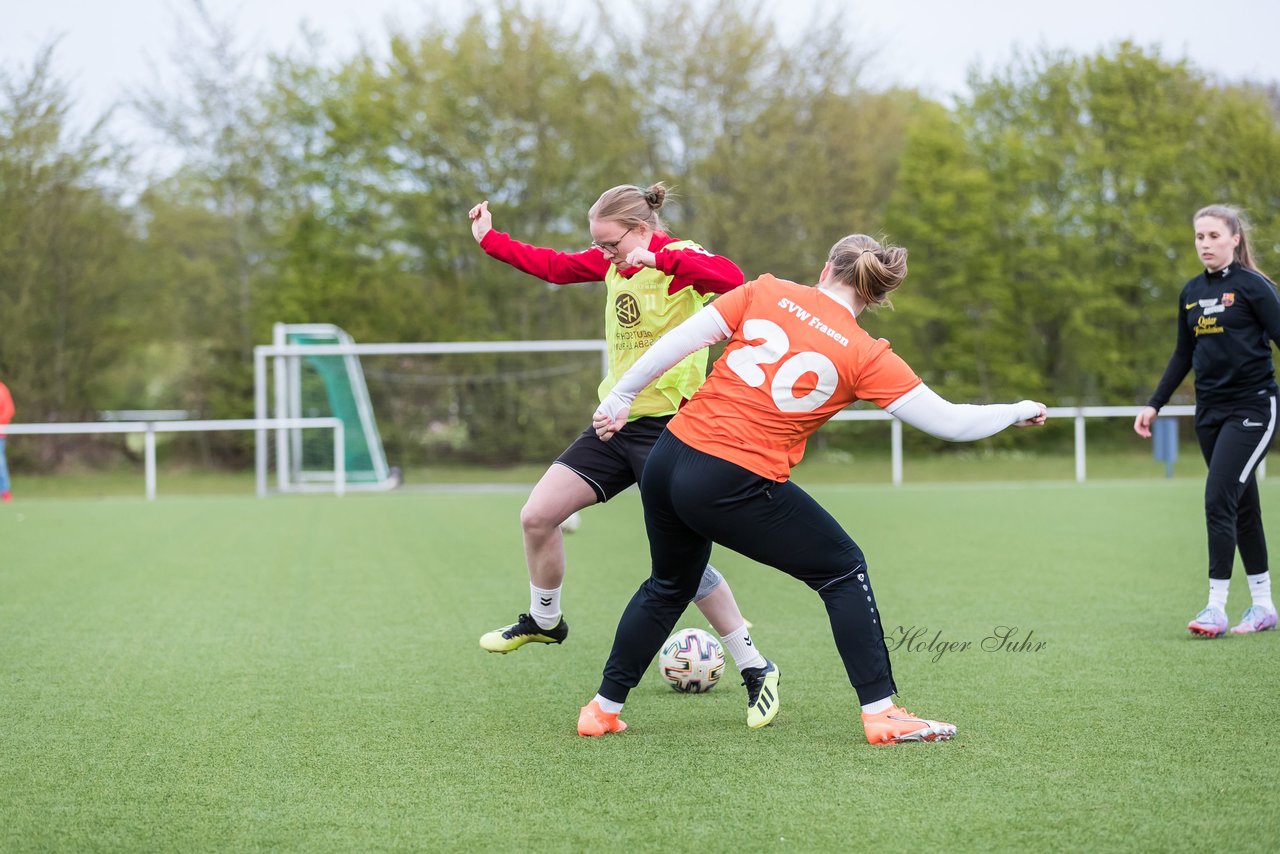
(322, 385)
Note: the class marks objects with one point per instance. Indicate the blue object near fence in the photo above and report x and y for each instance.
(1165, 443)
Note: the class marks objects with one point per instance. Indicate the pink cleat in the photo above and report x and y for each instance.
(1257, 618)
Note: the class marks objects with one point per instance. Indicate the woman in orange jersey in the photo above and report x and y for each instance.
(720, 473)
(654, 283)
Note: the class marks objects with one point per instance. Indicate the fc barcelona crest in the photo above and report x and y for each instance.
(1228, 299)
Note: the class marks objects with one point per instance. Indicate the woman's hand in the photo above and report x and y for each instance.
(481, 221)
(1038, 420)
(1142, 424)
(606, 425)
(640, 257)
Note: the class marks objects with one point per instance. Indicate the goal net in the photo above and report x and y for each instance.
(420, 405)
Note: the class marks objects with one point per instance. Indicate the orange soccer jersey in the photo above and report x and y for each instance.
(796, 357)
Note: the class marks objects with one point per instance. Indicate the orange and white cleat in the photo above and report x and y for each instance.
(593, 721)
(895, 725)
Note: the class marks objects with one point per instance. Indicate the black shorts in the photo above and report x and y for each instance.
(612, 466)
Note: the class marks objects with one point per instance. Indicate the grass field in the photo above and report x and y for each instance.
(222, 673)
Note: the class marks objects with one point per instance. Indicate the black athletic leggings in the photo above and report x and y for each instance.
(1234, 438)
(692, 500)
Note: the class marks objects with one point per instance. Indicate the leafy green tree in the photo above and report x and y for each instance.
(1092, 169)
(211, 227)
(68, 254)
(952, 298)
(393, 153)
(509, 109)
(778, 149)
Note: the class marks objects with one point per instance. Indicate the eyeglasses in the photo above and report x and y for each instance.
(610, 247)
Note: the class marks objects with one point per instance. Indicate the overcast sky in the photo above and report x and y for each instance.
(105, 44)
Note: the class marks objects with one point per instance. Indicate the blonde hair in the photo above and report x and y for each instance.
(631, 206)
(1235, 222)
(872, 270)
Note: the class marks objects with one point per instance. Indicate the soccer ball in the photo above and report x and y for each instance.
(573, 523)
(692, 661)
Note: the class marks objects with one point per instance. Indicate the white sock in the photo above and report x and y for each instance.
(744, 652)
(544, 606)
(1260, 589)
(1217, 593)
(877, 707)
(608, 706)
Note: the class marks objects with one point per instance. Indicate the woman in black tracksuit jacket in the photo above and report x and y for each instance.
(1228, 316)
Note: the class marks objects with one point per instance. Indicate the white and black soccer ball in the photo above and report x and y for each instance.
(691, 661)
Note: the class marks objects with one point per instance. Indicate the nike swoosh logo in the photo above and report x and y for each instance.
(905, 720)
(1190, 306)
(1249, 423)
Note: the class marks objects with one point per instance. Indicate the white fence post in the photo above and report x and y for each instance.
(339, 459)
(283, 463)
(895, 442)
(1079, 447)
(259, 414)
(149, 442)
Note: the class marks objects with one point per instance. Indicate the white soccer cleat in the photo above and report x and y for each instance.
(1209, 623)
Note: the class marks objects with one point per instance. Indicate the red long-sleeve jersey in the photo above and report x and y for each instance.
(689, 267)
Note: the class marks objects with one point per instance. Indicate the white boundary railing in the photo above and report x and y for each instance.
(149, 429)
(283, 353)
(1078, 414)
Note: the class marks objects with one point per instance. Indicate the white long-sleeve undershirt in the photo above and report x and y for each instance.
(926, 411)
(921, 407)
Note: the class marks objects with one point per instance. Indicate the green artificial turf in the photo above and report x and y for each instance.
(302, 673)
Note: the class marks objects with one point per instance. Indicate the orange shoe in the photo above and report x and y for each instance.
(895, 725)
(593, 720)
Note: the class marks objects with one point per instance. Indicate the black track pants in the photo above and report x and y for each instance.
(692, 500)
(1234, 438)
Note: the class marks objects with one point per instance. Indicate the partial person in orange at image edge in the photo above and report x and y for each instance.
(6, 417)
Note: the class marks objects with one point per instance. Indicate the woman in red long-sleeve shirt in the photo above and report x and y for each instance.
(654, 283)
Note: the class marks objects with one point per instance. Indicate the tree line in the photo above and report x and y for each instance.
(1047, 212)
